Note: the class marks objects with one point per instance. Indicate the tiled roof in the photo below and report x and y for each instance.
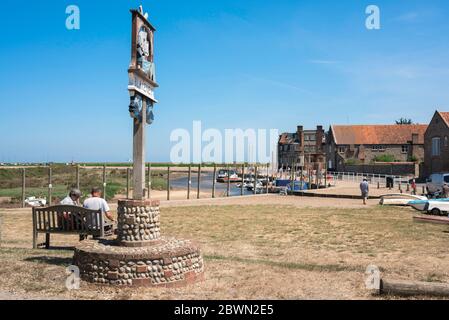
(445, 116)
(287, 138)
(377, 134)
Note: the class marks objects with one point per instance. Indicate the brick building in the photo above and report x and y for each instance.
(304, 148)
(436, 138)
(364, 144)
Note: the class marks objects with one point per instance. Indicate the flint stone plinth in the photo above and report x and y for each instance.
(138, 223)
(139, 256)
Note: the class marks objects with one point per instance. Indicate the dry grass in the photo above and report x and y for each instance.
(254, 252)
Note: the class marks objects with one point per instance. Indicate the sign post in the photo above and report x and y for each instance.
(142, 82)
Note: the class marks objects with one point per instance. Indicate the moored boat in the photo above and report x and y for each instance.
(225, 175)
(432, 204)
(399, 199)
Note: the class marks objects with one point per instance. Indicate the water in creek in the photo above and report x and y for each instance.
(206, 185)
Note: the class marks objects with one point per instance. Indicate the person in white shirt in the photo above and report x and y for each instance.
(97, 203)
(364, 188)
(73, 199)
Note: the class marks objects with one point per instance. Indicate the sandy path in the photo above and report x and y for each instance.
(14, 296)
(300, 202)
(353, 189)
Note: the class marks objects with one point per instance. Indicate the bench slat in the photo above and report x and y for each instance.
(48, 225)
(44, 222)
(55, 226)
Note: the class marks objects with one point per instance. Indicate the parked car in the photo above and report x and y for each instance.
(436, 181)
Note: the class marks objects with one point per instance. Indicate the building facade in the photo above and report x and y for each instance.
(367, 144)
(436, 159)
(304, 149)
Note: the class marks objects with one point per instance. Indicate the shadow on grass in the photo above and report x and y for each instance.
(56, 261)
(292, 265)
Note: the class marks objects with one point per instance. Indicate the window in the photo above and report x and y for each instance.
(309, 149)
(404, 149)
(436, 147)
(446, 141)
(341, 149)
(446, 179)
(378, 148)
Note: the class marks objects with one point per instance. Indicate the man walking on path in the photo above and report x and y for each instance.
(364, 188)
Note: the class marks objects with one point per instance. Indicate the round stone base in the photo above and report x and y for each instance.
(170, 263)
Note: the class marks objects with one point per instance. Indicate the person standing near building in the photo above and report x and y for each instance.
(414, 187)
(364, 189)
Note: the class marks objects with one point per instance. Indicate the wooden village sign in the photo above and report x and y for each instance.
(140, 255)
(142, 82)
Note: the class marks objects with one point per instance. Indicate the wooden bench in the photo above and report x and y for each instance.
(70, 220)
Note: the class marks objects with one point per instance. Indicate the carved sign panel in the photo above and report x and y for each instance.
(142, 60)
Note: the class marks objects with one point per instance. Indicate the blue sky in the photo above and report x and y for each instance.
(230, 64)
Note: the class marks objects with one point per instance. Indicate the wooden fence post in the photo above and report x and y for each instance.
(77, 177)
(199, 182)
(229, 182)
(149, 181)
(189, 182)
(168, 183)
(23, 187)
(104, 183)
(128, 174)
(50, 186)
(268, 176)
(214, 180)
(255, 179)
(243, 179)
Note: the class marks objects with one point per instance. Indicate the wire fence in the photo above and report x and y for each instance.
(47, 185)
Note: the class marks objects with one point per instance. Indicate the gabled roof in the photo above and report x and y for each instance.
(445, 116)
(377, 134)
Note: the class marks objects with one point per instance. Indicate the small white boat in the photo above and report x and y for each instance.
(250, 186)
(35, 202)
(433, 206)
(438, 207)
(399, 199)
(225, 175)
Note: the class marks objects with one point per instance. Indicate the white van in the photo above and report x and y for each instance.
(436, 181)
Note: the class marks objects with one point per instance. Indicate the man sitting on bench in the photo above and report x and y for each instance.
(96, 202)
